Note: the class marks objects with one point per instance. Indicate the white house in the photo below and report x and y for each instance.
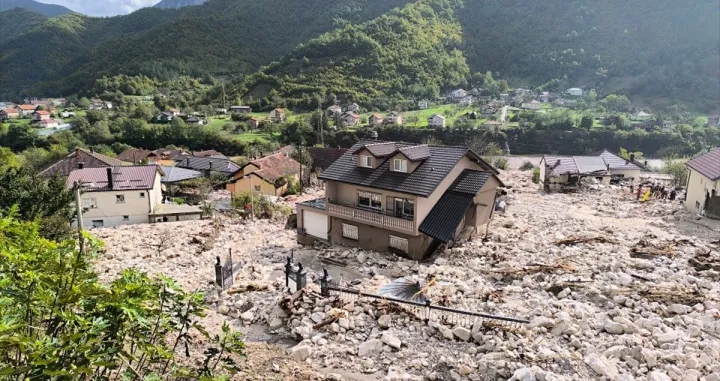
(575, 92)
(458, 95)
(394, 117)
(127, 195)
(240, 109)
(423, 104)
(642, 115)
(534, 105)
(334, 110)
(436, 121)
(353, 107)
(703, 186)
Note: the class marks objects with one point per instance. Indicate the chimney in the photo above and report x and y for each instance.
(210, 165)
(632, 157)
(187, 160)
(110, 178)
(645, 163)
(81, 165)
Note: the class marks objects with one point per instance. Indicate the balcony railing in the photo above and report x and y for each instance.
(371, 217)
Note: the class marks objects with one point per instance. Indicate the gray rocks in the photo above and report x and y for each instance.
(601, 365)
(461, 333)
(275, 323)
(613, 327)
(384, 321)
(370, 347)
(668, 337)
(679, 309)
(658, 376)
(300, 352)
(247, 317)
(391, 340)
(649, 356)
(446, 332)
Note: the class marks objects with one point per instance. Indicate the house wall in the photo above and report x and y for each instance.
(484, 204)
(423, 206)
(628, 173)
(243, 185)
(698, 187)
(111, 212)
(347, 194)
(377, 239)
(246, 170)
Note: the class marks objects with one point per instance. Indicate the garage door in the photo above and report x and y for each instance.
(315, 224)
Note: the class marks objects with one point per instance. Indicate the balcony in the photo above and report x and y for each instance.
(371, 217)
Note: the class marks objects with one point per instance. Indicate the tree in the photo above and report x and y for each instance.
(677, 168)
(586, 122)
(8, 160)
(20, 137)
(60, 322)
(83, 102)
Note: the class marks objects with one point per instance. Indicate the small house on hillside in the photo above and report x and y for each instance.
(641, 116)
(575, 92)
(253, 123)
(334, 111)
(353, 107)
(240, 109)
(40, 115)
(9, 113)
(266, 176)
(221, 111)
(375, 120)
(564, 173)
(532, 105)
(48, 123)
(703, 188)
(137, 156)
(713, 121)
(277, 115)
(423, 104)
(349, 119)
(195, 120)
(394, 117)
(457, 95)
(436, 121)
(26, 110)
(164, 117)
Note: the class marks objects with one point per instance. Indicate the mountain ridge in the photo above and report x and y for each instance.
(177, 4)
(50, 10)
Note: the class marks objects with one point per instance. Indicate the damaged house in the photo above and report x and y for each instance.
(703, 188)
(404, 198)
(564, 173)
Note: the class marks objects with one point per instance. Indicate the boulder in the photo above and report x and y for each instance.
(300, 352)
(276, 323)
(370, 347)
(613, 327)
(658, 376)
(247, 317)
(384, 321)
(461, 333)
(391, 340)
(601, 365)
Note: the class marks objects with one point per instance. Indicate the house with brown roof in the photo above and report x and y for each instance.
(137, 155)
(349, 119)
(126, 195)
(405, 198)
(277, 115)
(9, 113)
(26, 110)
(266, 176)
(40, 115)
(253, 123)
(703, 188)
(48, 123)
(78, 159)
(394, 117)
(375, 120)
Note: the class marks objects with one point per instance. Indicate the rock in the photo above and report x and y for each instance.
(668, 337)
(461, 333)
(344, 323)
(317, 317)
(679, 309)
(658, 376)
(276, 323)
(391, 340)
(223, 310)
(384, 321)
(601, 365)
(247, 317)
(300, 352)
(362, 257)
(613, 327)
(649, 356)
(446, 332)
(370, 347)
(523, 374)
(464, 370)
(559, 328)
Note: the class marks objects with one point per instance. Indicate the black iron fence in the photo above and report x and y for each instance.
(224, 272)
(295, 276)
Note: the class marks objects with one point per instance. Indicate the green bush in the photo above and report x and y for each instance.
(527, 166)
(259, 205)
(536, 175)
(501, 163)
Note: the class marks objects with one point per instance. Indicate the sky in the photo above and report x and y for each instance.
(103, 7)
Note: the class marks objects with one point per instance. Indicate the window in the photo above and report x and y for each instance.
(365, 161)
(404, 207)
(400, 165)
(257, 188)
(142, 194)
(399, 243)
(97, 223)
(120, 199)
(126, 218)
(369, 200)
(89, 203)
(350, 231)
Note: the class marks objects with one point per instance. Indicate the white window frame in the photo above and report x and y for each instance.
(370, 196)
(400, 165)
(119, 198)
(90, 203)
(365, 161)
(350, 231)
(399, 243)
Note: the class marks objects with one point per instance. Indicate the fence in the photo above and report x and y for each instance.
(295, 276)
(224, 273)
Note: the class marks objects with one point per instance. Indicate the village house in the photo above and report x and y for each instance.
(564, 173)
(456, 96)
(334, 111)
(619, 167)
(137, 156)
(423, 104)
(544, 97)
(713, 121)
(394, 117)
(349, 119)
(267, 176)
(9, 113)
(405, 198)
(165, 117)
(436, 121)
(48, 123)
(221, 111)
(174, 175)
(67, 114)
(253, 123)
(26, 110)
(575, 92)
(640, 116)
(703, 187)
(208, 153)
(522, 92)
(353, 107)
(208, 165)
(80, 158)
(532, 105)
(97, 104)
(40, 115)
(375, 120)
(277, 115)
(195, 120)
(126, 195)
(322, 158)
(240, 109)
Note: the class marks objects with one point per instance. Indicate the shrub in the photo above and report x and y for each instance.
(527, 166)
(259, 205)
(501, 163)
(536, 175)
(677, 168)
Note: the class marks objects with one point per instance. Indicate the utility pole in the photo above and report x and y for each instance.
(302, 185)
(252, 199)
(78, 209)
(322, 135)
(223, 89)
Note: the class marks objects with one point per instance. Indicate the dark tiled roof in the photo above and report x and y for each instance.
(276, 166)
(378, 149)
(708, 164)
(322, 158)
(216, 164)
(207, 153)
(446, 215)
(575, 165)
(134, 155)
(615, 161)
(64, 166)
(134, 177)
(175, 174)
(415, 153)
(421, 182)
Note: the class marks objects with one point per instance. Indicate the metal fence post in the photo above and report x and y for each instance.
(218, 273)
(324, 286)
(288, 269)
(301, 277)
(428, 310)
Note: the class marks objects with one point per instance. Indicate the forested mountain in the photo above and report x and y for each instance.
(176, 4)
(662, 51)
(49, 10)
(17, 21)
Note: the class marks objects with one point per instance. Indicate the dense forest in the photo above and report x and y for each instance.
(658, 53)
(18, 21)
(49, 10)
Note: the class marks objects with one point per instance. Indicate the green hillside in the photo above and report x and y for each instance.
(17, 21)
(50, 10)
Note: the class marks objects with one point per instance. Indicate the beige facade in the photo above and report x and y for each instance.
(122, 207)
(627, 173)
(257, 184)
(698, 188)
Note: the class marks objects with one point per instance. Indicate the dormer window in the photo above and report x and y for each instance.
(400, 165)
(365, 161)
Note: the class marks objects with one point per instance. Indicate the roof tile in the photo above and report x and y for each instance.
(134, 177)
(708, 164)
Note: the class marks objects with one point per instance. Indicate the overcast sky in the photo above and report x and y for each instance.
(103, 7)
